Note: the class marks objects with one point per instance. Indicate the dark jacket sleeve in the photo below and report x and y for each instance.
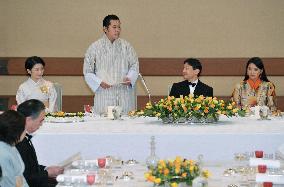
(34, 173)
(210, 92)
(173, 91)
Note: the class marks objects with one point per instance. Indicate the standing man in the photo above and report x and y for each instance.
(35, 174)
(111, 69)
(191, 85)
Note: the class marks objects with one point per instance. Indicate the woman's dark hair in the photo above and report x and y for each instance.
(195, 63)
(31, 61)
(12, 125)
(31, 108)
(259, 64)
(108, 18)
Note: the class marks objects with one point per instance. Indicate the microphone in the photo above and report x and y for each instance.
(145, 86)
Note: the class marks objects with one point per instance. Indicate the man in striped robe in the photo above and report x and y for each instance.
(111, 69)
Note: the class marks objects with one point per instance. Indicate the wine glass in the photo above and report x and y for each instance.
(101, 162)
(91, 178)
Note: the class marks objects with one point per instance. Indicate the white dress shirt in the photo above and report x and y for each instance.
(192, 88)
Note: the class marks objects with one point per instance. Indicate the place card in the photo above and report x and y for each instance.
(269, 163)
(275, 179)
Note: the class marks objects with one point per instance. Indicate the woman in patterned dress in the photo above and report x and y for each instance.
(255, 89)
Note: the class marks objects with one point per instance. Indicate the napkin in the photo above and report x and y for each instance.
(72, 178)
(275, 179)
(87, 162)
(268, 163)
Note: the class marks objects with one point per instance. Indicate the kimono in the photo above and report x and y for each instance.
(42, 90)
(245, 96)
(111, 62)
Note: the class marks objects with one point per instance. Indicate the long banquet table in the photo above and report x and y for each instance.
(130, 138)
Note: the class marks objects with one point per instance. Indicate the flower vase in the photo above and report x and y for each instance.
(181, 120)
(199, 182)
(195, 120)
(168, 119)
(182, 184)
(211, 119)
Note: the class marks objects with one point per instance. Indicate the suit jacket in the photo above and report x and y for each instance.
(34, 173)
(182, 88)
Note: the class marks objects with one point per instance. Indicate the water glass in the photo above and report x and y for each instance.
(79, 182)
(87, 109)
(67, 180)
(91, 178)
(101, 162)
(263, 112)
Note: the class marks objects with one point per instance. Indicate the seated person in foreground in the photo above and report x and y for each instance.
(35, 174)
(36, 87)
(12, 131)
(191, 85)
(255, 89)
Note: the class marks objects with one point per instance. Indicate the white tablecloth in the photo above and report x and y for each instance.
(130, 138)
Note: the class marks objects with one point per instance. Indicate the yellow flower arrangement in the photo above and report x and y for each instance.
(175, 172)
(62, 114)
(189, 107)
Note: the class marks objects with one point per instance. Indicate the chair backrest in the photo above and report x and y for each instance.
(58, 88)
(169, 89)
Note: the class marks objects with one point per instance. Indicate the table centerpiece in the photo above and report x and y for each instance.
(64, 117)
(189, 108)
(174, 173)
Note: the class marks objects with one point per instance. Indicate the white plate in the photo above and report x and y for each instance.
(63, 120)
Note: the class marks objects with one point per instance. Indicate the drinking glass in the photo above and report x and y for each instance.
(263, 112)
(87, 109)
(101, 162)
(67, 180)
(91, 178)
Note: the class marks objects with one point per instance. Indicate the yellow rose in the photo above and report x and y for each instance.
(177, 170)
(146, 175)
(151, 178)
(191, 168)
(166, 171)
(174, 184)
(149, 106)
(178, 159)
(206, 110)
(229, 107)
(235, 110)
(206, 173)
(157, 180)
(198, 100)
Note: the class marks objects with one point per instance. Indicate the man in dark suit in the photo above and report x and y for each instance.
(191, 85)
(36, 175)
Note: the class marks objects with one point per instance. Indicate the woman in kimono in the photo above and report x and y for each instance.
(36, 87)
(255, 89)
(12, 131)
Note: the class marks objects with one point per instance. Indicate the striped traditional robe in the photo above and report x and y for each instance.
(111, 62)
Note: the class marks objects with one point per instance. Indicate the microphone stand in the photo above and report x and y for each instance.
(145, 86)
